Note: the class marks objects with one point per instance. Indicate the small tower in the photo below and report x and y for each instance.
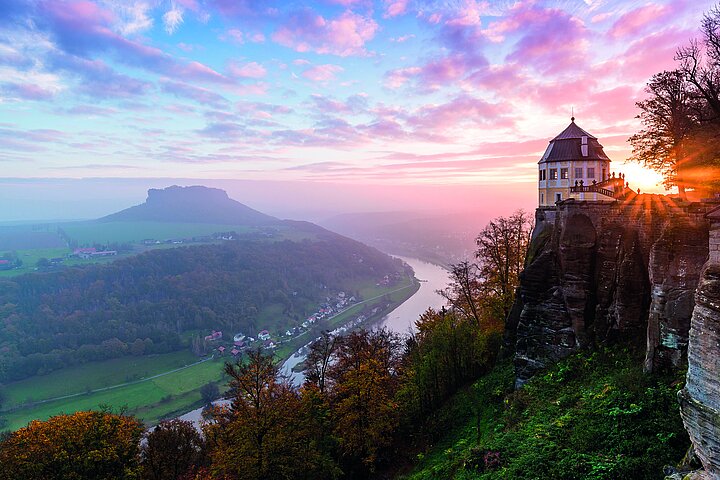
(573, 159)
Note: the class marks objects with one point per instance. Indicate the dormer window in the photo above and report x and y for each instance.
(584, 145)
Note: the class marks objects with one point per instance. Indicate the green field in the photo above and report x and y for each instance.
(150, 400)
(86, 233)
(92, 376)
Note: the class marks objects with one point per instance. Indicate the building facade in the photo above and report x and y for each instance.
(572, 159)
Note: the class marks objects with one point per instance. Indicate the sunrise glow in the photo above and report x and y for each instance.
(348, 91)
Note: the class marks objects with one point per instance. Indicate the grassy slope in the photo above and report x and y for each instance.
(153, 399)
(591, 417)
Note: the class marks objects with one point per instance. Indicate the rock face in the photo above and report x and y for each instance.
(597, 271)
(676, 261)
(700, 399)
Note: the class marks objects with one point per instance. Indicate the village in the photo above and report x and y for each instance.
(217, 344)
(265, 340)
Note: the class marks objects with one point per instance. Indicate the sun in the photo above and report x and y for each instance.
(648, 181)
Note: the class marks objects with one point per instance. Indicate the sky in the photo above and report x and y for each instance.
(449, 104)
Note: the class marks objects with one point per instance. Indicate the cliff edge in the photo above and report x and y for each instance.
(645, 270)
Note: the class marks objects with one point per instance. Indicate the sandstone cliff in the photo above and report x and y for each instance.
(700, 399)
(647, 270)
(597, 271)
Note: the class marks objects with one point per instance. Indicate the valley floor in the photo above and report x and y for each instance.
(152, 387)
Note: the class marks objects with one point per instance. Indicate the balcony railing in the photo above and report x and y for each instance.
(613, 187)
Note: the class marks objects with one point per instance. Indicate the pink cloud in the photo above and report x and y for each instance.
(638, 20)
(469, 13)
(198, 94)
(557, 97)
(646, 56)
(399, 77)
(462, 110)
(613, 105)
(81, 28)
(247, 70)
(328, 105)
(236, 35)
(322, 73)
(189, 4)
(505, 78)
(258, 88)
(436, 73)
(434, 18)
(344, 36)
(402, 38)
(393, 8)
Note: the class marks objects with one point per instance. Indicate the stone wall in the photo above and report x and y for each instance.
(599, 270)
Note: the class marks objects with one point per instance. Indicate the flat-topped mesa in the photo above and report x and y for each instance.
(597, 271)
(574, 165)
(195, 204)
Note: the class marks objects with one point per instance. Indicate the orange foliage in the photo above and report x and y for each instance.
(84, 445)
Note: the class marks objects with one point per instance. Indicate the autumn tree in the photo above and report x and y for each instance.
(263, 435)
(88, 445)
(447, 351)
(172, 450)
(364, 379)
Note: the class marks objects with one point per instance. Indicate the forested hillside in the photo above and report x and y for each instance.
(153, 302)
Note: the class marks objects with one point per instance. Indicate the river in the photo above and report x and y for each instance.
(401, 320)
(432, 278)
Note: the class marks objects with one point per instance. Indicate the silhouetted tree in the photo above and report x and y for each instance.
(669, 117)
(209, 392)
(173, 450)
(484, 291)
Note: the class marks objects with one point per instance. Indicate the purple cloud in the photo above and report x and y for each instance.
(198, 94)
(344, 35)
(564, 50)
(26, 91)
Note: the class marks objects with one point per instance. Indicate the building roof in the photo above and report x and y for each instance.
(567, 146)
(573, 131)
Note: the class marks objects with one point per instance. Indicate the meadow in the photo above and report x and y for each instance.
(88, 233)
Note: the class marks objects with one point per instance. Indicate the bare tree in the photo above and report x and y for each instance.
(486, 289)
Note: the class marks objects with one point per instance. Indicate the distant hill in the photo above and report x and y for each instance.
(442, 239)
(196, 204)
